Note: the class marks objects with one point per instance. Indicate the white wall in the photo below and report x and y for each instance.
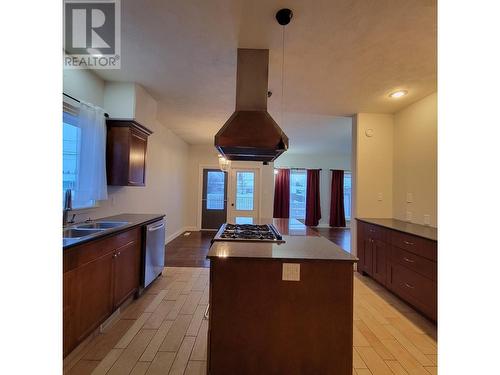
(206, 156)
(166, 159)
(83, 85)
(415, 161)
(372, 147)
(374, 161)
(314, 161)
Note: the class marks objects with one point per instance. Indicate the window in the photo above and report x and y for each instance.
(298, 187)
(215, 190)
(347, 194)
(71, 155)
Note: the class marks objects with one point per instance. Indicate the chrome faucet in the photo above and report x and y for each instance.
(67, 206)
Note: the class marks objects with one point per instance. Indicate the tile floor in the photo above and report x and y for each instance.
(164, 332)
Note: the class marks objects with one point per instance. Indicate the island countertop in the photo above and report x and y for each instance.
(132, 220)
(423, 231)
(301, 242)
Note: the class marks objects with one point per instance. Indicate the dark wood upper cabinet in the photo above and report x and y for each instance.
(126, 152)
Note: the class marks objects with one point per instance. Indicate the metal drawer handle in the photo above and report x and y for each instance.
(409, 243)
(372, 230)
(206, 312)
(408, 260)
(409, 286)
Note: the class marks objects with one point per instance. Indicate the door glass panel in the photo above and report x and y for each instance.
(245, 191)
(244, 220)
(298, 184)
(347, 194)
(215, 190)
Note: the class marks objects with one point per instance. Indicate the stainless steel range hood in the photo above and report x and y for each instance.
(251, 133)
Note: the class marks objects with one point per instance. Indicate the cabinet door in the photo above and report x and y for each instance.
(68, 337)
(137, 161)
(126, 271)
(379, 261)
(368, 255)
(91, 295)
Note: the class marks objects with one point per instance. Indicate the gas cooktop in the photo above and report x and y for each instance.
(248, 232)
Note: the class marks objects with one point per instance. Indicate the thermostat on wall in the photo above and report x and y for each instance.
(369, 132)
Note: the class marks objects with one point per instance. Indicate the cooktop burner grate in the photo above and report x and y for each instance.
(248, 232)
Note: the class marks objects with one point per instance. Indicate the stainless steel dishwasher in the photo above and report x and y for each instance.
(154, 254)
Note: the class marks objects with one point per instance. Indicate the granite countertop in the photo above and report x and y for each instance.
(132, 220)
(300, 243)
(423, 231)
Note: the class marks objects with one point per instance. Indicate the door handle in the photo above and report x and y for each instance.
(232, 204)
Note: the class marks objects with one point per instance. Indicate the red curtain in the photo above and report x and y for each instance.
(337, 213)
(282, 194)
(313, 207)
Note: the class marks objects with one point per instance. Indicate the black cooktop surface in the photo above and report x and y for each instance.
(248, 232)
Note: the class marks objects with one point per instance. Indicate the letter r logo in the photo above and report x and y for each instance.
(89, 26)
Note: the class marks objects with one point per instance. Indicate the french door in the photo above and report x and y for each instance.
(243, 196)
(214, 199)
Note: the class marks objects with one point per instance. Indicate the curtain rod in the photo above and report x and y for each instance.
(300, 169)
(77, 100)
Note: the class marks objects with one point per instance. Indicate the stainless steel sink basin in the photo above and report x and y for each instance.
(79, 233)
(101, 225)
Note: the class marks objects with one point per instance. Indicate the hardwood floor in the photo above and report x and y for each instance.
(189, 251)
(164, 332)
(339, 236)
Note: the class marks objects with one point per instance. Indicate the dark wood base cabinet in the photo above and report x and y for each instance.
(260, 324)
(97, 277)
(404, 263)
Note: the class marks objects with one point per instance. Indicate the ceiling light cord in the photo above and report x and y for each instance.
(283, 77)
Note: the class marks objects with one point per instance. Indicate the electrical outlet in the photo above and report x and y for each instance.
(291, 272)
(409, 216)
(409, 197)
(380, 197)
(427, 219)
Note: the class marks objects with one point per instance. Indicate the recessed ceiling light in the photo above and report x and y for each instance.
(398, 94)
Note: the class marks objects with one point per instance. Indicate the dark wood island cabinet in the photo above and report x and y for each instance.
(261, 322)
(403, 257)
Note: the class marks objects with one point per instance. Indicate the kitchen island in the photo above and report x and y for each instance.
(281, 308)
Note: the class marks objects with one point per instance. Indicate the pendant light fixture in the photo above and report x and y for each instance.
(283, 16)
(224, 164)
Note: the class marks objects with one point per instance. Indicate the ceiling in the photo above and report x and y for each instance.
(341, 57)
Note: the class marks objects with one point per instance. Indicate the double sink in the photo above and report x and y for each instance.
(88, 229)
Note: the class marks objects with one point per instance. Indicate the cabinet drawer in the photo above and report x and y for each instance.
(418, 290)
(374, 231)
(87, 252)
(417, 245)
(414, 262)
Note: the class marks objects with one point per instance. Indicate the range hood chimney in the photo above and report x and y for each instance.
(251, 133)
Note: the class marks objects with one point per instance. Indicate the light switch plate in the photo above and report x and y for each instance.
(427, 219)
(409, 197)
(291, 272)
(380, 197)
